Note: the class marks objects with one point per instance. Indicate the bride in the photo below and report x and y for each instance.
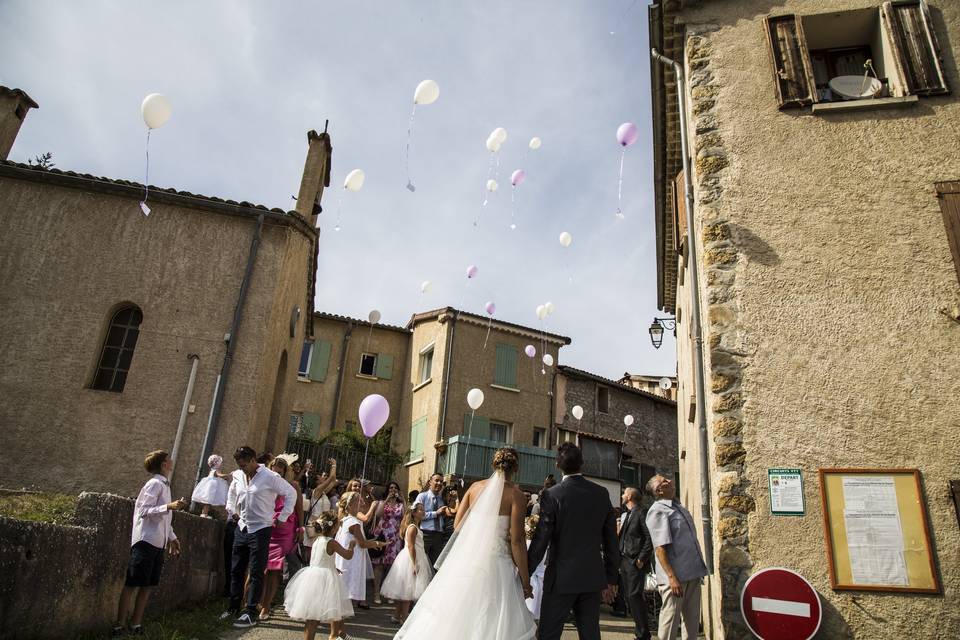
(479, 590)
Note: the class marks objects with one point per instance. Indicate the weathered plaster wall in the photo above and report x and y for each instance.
(825, 264)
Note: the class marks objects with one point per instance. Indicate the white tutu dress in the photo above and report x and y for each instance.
(402, 583)
(359, 569)
(317, 592)
(536, 582)
(211, 490)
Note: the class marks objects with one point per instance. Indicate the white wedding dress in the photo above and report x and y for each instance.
(476, 593)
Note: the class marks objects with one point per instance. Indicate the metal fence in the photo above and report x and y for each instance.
(349, 461)
(472, 461)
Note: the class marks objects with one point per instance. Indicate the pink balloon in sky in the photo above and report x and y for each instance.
(374, 411)
(530, 350)
(491, 308)
(472, 271)
(627, 134)
(518, 177)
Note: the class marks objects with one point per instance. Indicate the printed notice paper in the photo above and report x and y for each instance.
(874, 535)
(786, 492)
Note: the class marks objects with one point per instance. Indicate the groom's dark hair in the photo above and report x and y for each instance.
(569, 458)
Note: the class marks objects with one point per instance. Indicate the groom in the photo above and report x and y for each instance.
(577, 524)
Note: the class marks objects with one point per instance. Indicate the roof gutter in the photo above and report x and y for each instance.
(697, 330)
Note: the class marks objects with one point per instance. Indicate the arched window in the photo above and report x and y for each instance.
(118, 349)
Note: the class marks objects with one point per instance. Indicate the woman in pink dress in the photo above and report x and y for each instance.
(388, 516)
(284, 535)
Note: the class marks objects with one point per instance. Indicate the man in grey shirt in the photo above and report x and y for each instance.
(680, 565)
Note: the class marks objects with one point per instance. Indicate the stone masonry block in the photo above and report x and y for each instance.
(719, 232)
(711, 164)
(727, 426)
(732, 453)
(731, 527)
(719, 257)
(720, 382)
(728, 402)
(739, 503)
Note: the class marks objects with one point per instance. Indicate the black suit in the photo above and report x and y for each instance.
(577, 523)
(635, 549)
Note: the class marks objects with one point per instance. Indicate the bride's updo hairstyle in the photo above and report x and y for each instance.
(506, 460)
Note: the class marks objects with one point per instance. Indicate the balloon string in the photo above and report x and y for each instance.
(489, 324)
(339, 206)
(513, 207)
(364, 474)
(146, 177)
(466, 449)
(369, 333)
(620, 184)
(409, 136)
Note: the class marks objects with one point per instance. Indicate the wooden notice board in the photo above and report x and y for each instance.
(875, 525)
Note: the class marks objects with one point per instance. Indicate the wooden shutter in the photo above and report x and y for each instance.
(321, 361)
(480, 428)
(680, 210)
(792, 70)
(384, 366)
(505, 373)
(416, 438)
(949, 195)
(311, 425)
(913, 42)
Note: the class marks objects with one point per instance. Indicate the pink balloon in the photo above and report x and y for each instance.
(374, 411)
(627, 134)
(518, 177)
(472, 270)
(530, 350)
(491, 308)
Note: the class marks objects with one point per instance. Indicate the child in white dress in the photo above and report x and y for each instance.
(357, 570)
(411, 572)
(212, 490)
(316, 593)
(536, 578)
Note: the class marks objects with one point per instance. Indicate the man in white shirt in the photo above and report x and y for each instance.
(152, 531)
(251, 504)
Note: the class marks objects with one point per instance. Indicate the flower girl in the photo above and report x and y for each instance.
(410, 573)
(316, 593)
(212, 490)
(536, 578)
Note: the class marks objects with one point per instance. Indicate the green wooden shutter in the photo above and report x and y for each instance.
(417, 433)
(320, 361)
(311, 425)
(384, 366)
(792, 69)
(505, 372)
(480, 428)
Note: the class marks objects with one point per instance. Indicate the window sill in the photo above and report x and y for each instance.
(869, 103)
(502, 388)
(423, 384)
(366, 377)
(413, 462)
(303, 379)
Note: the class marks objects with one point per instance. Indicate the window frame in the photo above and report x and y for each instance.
(569, 436)
(373, 373)
(425, 353)
(542, 433)
(507, 431)
(121, 349)
(304, 374)
(606, 395)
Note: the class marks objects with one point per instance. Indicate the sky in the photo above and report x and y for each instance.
(247, 80)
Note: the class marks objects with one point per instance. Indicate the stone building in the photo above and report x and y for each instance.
(651, 384)
(616, 454)
(826, 280)
(108, 315)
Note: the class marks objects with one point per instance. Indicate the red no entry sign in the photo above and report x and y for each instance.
(779, 604)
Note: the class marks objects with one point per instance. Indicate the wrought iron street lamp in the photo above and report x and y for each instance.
(657, 327)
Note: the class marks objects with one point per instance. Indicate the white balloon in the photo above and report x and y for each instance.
(548, 308)
(566, 239)
(500, 134)
(548, 359)
(493, 145)
(577, 412)
(156, 110)
(424, 286)
(492, 185)
(535, 143)
(628, 420)
(374, 317)
(427, 92)
(541, 311)
(475, 398)
(354, 180)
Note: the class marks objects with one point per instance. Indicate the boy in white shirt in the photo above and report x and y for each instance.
(152, 531)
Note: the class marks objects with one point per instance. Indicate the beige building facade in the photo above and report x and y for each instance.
(827, 260)
(108, 314)
(652, 384)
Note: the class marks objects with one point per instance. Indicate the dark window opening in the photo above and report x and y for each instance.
(603, 400)
(368, 364)
(117, 353)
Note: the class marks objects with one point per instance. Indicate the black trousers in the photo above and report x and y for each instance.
(631, 580)
(228, 531)
(433, 542)
(249, 549)
(556, 606)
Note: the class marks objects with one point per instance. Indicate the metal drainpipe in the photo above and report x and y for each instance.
(184, 411)
(231, 348)
(446, 383)
(343, 361)
(705, 509)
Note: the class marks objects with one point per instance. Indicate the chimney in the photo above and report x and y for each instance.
(14, 105)
(316, 175)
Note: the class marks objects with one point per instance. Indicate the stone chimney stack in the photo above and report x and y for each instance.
(316, 175)
(14, 105)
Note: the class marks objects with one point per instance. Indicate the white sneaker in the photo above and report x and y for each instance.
(244, 621)
(227, 614)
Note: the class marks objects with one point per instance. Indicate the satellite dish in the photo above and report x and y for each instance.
(665, 383)
(855, 87)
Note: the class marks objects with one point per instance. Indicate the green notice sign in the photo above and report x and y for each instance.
(786, 492)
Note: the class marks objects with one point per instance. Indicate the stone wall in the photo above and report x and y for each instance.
(59, 580)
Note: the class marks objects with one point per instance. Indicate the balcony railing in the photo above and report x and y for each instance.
(349, 461)
(473, 462)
